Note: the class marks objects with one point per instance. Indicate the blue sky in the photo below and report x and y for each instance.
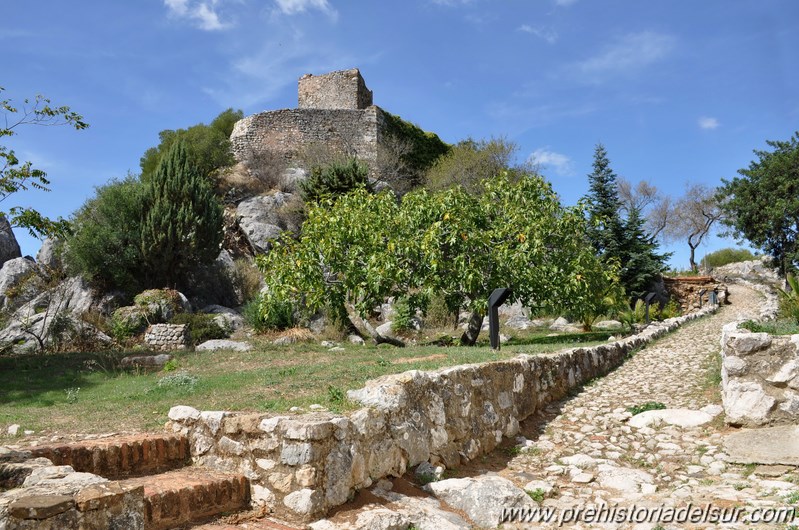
(678, 91)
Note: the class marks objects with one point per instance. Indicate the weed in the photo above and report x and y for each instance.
(425, 478)
(383, 362)
(72, 394)
(749, 469)
(335, 394)
(537, 495)
(738, 486)
(183, 380)
(702, 449)
(513, 450)
(793, 498)
(649, 405)
(171, 365)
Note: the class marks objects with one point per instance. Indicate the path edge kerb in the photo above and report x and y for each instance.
(301, 466)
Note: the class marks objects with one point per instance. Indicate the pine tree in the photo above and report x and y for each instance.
(641, 262)
(616, 239)
(182, 223)
(606, 227)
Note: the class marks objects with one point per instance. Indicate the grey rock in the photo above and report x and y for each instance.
(49, 255)
(748, 343)
(12, 274)
(146, 361)
(679, 417)
(183, 413)
(623, 479)
(222, 344)
(745, 402)
(608, 324)
(519, 322)
(304, 502)
(482, 498)
(9, 248)
(766, 445)
(355, 339)
(225, 318)
(386, 329)
(259, 218)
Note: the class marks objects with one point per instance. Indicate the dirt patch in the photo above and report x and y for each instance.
(405, 360)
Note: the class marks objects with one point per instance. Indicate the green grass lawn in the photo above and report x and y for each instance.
(86, 393)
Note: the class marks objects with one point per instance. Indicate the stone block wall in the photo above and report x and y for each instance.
(760, 377)
(302, 466)
(167, 337)
(686, 290)
(289, 131)
(344, 89)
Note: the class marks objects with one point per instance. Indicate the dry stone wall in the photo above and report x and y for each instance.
(760, 372)
(167, 337)
(301, 466)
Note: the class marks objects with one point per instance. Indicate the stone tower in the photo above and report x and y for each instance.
(344, 89)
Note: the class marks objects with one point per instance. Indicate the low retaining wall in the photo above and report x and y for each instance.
(760, 372)
(301, 466)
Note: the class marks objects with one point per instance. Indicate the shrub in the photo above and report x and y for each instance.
(649, 405)
(201, 327)
(726, 256)
(789, 300)
(403, 315)
(438, 314)
(246, 278)
(334, 179)
(106, 234)
(777, 327)
(670, 310)
(264, 313)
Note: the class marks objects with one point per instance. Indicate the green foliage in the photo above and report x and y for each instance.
(424, 147)
(670, 310)
(17, 176)
(171, 365)
(362, 249)
(623, 242)
(470, 161)
(201, 327)
(208, 145)
(725, 256)
(124, 326)
(776, 327)
(264, 313)
(649, 405)
(438, 315)
(403, 315)
(336, 395)
(789, 300)
(182, 226)
(762, 204)
(178, 380)
(105, 244)
(538, 495)
(334, 179)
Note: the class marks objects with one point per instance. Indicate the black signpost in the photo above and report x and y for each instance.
(701, 296)
(497, 298)
(648, 301)
(713, 297)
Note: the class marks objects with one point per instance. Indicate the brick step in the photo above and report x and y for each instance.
(121, 456)
(178, 497)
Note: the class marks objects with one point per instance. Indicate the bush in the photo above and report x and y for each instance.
(265, 313)
(670, 310)
(201, 326)
(789, 300)
(438, 315)
(777, 327)
(726, 256)
(105, 244)
(403, 315)
(334, 179)
(246, 278)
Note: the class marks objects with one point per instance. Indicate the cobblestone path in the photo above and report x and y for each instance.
(584, 452)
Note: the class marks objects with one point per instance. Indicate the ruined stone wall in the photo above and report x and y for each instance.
(167, 337)
(344, 89)
(301, 466)
(760, 372)
(354, 132)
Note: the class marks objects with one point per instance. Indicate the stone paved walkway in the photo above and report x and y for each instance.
(587, 451)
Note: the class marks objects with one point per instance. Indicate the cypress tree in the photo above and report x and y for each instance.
(182, 221)
(641, 262)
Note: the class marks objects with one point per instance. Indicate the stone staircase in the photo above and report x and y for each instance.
(175, 493)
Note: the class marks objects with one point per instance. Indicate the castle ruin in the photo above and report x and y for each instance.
(335, 110)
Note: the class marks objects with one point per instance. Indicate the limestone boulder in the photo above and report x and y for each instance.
(747, 403)
(685, 418)
(15, 285)
(224, 317)
(221, 344)
(261, 219)
(9, 248)
(49, 255)
(482, 499)
(160, 305)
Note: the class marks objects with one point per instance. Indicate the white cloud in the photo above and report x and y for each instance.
(201, 12)
(560, 163)
(565, 3)
(295, 7)
(708, 123)
(452, 2)
(547, 34)
(627, 55)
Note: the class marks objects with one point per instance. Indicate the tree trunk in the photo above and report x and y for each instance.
(363, 325)
(469, 336)
(694, 266)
